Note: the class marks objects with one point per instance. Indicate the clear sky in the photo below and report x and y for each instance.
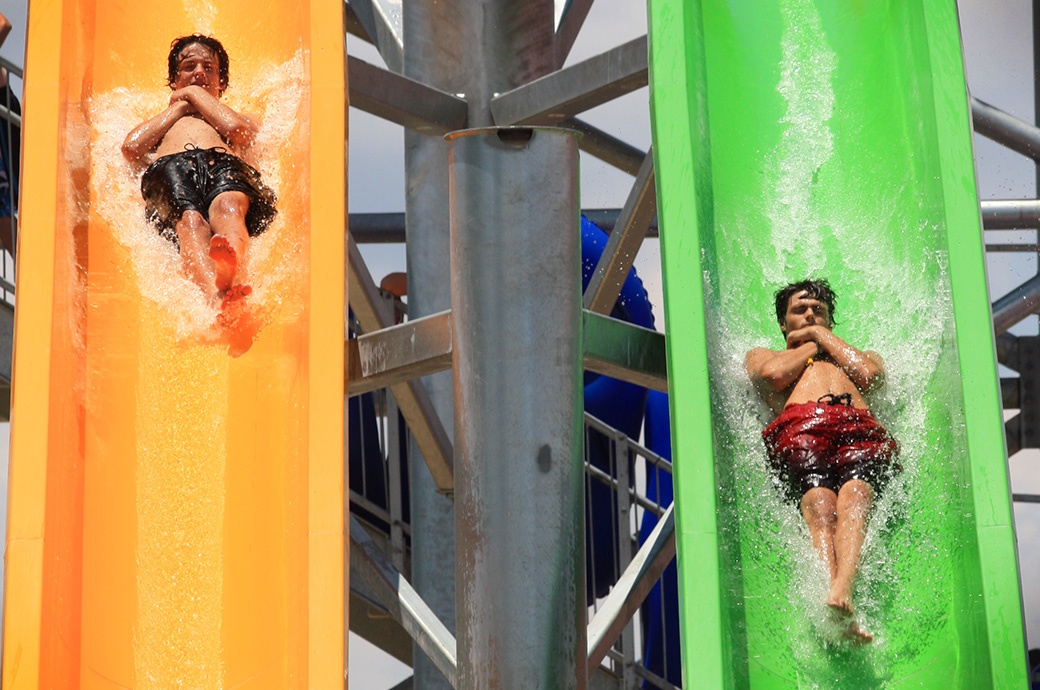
(998, 52)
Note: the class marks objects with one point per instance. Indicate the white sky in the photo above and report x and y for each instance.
(998, 54)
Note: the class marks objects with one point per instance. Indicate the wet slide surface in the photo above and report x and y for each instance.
(796, 138)
(176, 515)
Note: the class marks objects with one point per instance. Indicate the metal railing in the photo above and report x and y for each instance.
(617, 504)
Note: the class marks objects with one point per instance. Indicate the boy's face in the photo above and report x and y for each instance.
(197, 65)
(803, 311)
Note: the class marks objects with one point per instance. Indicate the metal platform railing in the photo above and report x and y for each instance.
(378, 499)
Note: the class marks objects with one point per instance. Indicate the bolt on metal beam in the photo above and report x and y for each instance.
(569, 91)
(624, 242)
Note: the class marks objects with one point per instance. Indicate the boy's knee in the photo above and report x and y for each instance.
(230, 204)
(191, 219)
(819, 505)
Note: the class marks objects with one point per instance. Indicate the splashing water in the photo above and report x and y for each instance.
(806, 141)
(275, 257)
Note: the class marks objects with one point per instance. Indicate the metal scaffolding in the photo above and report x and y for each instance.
(441, 91)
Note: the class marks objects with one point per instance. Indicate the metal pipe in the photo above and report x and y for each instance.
(1016, 305)
(1003, 128)
(519, 509)
(1010, 214)
(388, 228)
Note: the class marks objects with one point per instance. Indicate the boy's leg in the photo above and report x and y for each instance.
(819, 508)
(854, 501)
(193, 233)
(230, 242)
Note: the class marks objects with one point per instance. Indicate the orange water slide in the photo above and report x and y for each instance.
(175, 513)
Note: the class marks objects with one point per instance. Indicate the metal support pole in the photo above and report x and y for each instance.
(519, 519)
(472, 50)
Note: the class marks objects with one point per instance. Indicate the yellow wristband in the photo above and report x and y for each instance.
(808, 362)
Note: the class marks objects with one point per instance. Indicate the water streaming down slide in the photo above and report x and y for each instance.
(796, 138)
(175, 514)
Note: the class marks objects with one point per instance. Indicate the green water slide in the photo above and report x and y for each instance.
(800, 138)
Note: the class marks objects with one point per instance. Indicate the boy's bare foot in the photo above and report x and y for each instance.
(225, 262)
(840, 600)
(236, 320)
(841, 608)
(857, 635)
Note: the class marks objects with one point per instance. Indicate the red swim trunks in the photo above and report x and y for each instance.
(826, 444)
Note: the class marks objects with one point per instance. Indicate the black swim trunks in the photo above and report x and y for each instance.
(191, 179)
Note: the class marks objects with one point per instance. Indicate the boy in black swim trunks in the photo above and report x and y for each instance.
(197, 189)
(828, 448)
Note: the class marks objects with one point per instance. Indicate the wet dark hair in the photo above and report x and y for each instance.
(817, 289)
(179, 44)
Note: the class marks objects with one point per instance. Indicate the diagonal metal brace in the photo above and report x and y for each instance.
(561, 94)
(398, 597)
(632, 588)
(412, 399)
(574, 14)
(404, 101)
(1005, 129)
(606, 147)
(382, 22)
(625, 240)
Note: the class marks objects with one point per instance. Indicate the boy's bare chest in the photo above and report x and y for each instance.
(192, 132)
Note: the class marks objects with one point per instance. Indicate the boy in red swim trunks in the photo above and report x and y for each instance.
(197, 188)
(830, 451)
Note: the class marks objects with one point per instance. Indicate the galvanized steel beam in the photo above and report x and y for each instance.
(606, 147)
(625, 352)
(574, 13)
(623, 245)
(567, 92)
(353, 25)
(400, 353)
(632, 588)
(1006, 129)
(1010, 214)
(382, 22)
(404, 101)
(389, 228)
(1016, 305)
(398, 597)
(412, 399)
